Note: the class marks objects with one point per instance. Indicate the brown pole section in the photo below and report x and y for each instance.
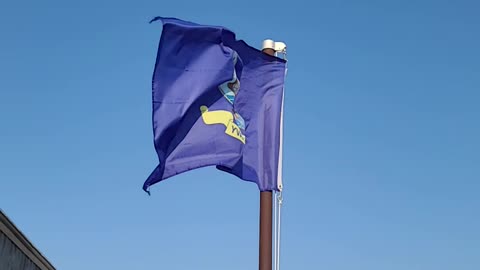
(265, 237)
(265, 247)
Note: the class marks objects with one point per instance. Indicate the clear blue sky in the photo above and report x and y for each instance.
(382, 137)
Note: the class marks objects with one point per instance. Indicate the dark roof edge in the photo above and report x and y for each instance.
(22, 242)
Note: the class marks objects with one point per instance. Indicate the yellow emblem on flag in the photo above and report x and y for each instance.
(222, 117)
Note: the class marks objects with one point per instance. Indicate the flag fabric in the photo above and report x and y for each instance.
(216, 102)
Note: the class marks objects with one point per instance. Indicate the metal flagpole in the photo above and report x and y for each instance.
(265, 246)
(266, 197)
(265, 237)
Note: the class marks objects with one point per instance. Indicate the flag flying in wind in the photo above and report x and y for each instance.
(216, 102)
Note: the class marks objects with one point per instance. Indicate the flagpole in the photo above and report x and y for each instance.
(265, 234)
(265, 247)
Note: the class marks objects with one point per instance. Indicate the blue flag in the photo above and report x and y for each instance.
(216, 102)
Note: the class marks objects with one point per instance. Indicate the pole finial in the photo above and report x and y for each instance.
(268, 44)
(277, 46)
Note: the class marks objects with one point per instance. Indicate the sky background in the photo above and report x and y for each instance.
(382, 137)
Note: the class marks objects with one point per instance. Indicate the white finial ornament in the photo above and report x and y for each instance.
(276, 46)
